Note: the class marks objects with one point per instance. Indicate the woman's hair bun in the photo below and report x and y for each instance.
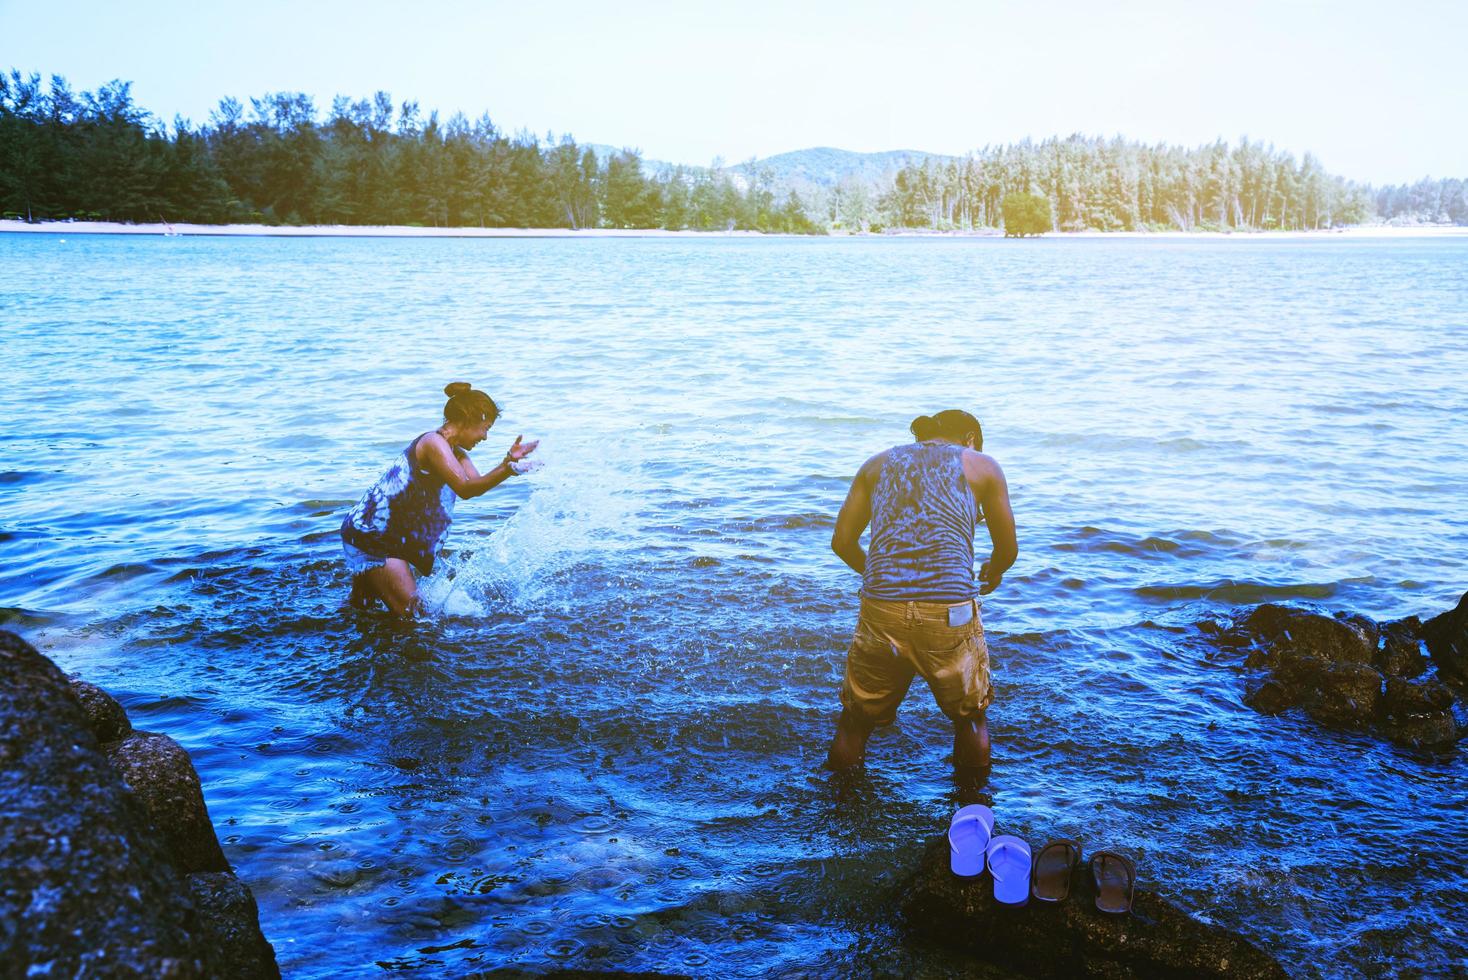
(457, 388)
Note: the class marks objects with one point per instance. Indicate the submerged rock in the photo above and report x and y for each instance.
(1418, 712)
(89, 886)
(1072, 938)
(1270, 697)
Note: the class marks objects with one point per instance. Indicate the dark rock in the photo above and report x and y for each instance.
(1365, 627)
(1419, 697)
(160, 774)
(104, 715)
(229, 923)
(1303, 674)
(85, 888)
(89, 886)
(1072, 938)
(1419, 713)
(1271, 697)
(1284, 632)
(1446, 637)
(1401, 649)
(1346, 694)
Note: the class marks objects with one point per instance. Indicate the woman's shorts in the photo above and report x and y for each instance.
(897, 640)
(358, 561)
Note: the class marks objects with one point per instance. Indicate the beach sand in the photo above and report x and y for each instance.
(403, 231)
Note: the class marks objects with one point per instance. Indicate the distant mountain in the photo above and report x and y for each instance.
(604, 151)
(826, 166)
(818, 166)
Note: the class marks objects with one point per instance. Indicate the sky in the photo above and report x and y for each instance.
(1376, 89)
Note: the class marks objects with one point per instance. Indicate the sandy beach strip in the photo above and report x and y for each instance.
(345, 231)
(403, 231)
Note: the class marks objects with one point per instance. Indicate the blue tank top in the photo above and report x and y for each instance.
(923, 517)
(404, 514)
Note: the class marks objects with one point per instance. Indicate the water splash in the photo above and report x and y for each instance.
(582, 507)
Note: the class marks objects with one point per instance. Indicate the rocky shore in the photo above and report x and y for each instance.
(1401, 679)
(109, 865)
(1072, 938)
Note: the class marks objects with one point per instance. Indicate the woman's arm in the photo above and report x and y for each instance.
(437, 456)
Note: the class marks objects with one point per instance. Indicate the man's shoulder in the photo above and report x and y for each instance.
(977, 465)
(873, 465)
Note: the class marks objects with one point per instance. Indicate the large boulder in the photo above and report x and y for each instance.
(85, 888)
(92, 866)
(1446, 637)
(160, 774)
(1072, 938)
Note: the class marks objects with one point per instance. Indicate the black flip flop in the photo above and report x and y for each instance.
(1115, 876)
(1050, 879)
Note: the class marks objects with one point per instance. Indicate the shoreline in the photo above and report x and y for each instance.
(13, 226)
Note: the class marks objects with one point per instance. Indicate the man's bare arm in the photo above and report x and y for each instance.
(991, 491)
(855, 515)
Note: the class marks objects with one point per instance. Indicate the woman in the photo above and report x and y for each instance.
(399, 524)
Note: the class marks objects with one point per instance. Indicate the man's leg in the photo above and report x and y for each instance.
(971, 744)
(849, 747)
(396, 586)
(876, 680)
(959, 678)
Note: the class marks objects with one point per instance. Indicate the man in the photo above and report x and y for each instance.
(918, 608)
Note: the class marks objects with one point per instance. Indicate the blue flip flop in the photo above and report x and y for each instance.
(968, 838)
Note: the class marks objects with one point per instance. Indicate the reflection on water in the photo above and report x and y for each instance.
(602, 751)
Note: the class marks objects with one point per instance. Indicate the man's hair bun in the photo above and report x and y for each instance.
(951, 423)
(924, 427)
(457, 388)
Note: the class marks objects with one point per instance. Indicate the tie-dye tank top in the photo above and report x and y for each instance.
(404, 514)
(923, 516)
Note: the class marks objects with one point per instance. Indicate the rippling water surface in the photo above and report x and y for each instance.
(602, 750)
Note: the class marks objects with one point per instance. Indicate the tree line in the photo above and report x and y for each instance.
(98, 155)
(371, 161)
(1119, 185)
(1116, 185)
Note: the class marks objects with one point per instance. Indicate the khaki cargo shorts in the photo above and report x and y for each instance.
(895, 640)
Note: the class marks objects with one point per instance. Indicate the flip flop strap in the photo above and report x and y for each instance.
(971, 818)
(1101, 857)
(1005, 846)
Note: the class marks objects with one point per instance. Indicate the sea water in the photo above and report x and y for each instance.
(602, 748)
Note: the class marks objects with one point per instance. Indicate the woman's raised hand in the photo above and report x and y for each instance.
(520, 449)
(515, 458)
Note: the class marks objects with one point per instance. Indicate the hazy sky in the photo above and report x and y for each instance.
(1377, 90)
